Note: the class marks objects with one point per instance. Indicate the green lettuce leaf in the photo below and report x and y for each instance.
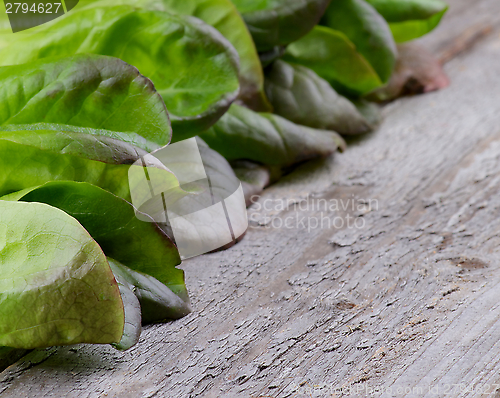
(97, 144)
(35, 154)
(222, 15)
(280, 22)
(218, 199)
(410, 19)
(367, 30)
(301, 96)
(132, 308)
(336, 59)
(254, 177)
(112, 222)
(268, 57)
(193, 67)
(268, 139)
(56, 286)
(157, 301)
(88, 91)
(24, 166)
(370, 111)
(223, 181)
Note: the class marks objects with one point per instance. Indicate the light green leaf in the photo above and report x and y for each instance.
(24, 166)
(410, 19)
(268, 139)
(336, 59)
(35, 154)
(112, 222)
(301, 96)
(97, 144)
(193, 67)
(84, 90)
(222, 15)
(410, 30)
(367, 30)
(56, 286)
(280, 22)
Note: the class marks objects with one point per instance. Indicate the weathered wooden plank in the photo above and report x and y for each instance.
(459, 360)
(405, 300)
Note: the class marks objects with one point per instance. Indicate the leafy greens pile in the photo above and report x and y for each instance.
(265, 83)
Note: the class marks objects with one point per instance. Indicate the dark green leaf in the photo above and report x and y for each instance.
(157, 301)
(301, 96)
(9, 355)
(268, 139)
(367, 30)
(87, 91)
(280, 22)
(268, 57)
(223, 181)
(410, 19)
(213, 217)
(335, 58)
(370, 111)
(132, 308)
(254, 177)
(56, 286)
(193, 67)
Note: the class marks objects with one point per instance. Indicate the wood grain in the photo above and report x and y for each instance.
(408, 300)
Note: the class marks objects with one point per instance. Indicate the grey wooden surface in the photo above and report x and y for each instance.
(406, 303)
